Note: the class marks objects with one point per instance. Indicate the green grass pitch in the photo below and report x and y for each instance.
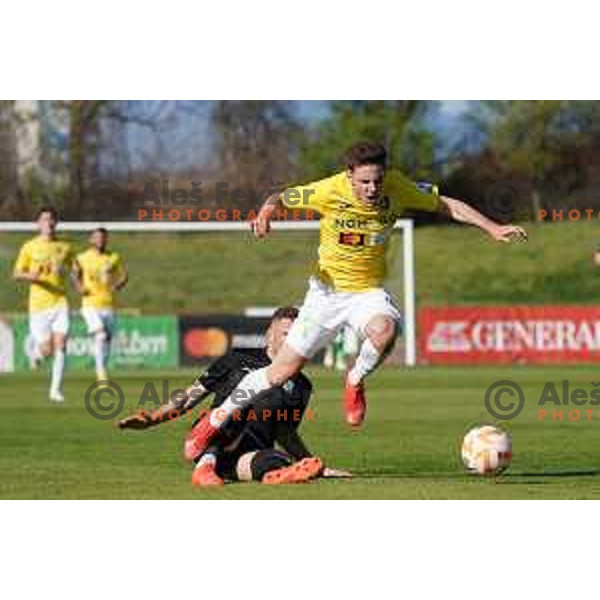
(409, 447)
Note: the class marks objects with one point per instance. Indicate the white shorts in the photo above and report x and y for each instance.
(98, 318)
(326, 311)
(351, 341)
(44, 323)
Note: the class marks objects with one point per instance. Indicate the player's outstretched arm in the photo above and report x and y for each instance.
(463, 213)
(35, 277)
(122, 280)
(171, 411)
(77, 277)
(261, 226)
(201, 387)
(22, 270)
(25, 276)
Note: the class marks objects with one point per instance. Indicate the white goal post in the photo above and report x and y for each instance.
(405, 225)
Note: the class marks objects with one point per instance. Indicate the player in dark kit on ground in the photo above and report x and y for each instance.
(245, 448)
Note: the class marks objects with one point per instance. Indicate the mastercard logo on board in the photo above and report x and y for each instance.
(205, 342)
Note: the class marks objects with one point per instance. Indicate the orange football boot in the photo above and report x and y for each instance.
(206, 476)
(198, 439)
(300, 472)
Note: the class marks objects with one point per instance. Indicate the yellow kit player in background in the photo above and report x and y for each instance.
(45, 263)
(99, 273)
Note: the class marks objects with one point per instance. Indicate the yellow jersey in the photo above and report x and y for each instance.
(99, 272)
(354, 236)
(51, 261)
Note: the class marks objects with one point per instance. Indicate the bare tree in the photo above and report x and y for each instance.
(8, 175)
(255, 140)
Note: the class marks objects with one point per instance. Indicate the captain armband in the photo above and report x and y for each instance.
(428, 188)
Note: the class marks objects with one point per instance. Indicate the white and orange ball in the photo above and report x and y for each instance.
(486, 450)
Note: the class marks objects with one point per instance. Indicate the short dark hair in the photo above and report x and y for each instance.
(46, 208)
(285, 312)
(365, 153)
(99, 230)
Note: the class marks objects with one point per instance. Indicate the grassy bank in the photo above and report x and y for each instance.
(227, 272)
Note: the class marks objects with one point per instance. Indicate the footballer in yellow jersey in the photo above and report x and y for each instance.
(99, 274)
(45, 263)
(358, 209)
(354, 233)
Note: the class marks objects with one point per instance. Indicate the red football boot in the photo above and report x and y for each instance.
(206, 476)
(198, 439)
(355, 403)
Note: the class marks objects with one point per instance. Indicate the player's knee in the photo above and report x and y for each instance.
(279, 374)
(382, 331)
(46, 348)
(284, 368)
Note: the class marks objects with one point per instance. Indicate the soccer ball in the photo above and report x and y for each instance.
(486, 450)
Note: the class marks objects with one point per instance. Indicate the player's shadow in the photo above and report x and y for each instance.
(580, 473)
(538, 476)
(408, 475)
(505, 478)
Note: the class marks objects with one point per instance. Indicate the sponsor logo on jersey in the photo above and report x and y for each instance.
(350, 238)
(351, 223)
(376, 239)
